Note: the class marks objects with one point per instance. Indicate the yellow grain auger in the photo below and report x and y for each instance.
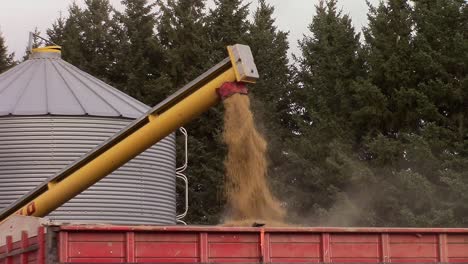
(227, 77)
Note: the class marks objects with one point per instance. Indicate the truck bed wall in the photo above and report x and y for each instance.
(127, 244)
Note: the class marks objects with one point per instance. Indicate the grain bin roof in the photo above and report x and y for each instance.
(47, 85)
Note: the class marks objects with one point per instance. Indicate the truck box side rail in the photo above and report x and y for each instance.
(257, 245)
(183, 244)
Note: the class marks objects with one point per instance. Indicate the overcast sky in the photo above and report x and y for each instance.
(18, 17)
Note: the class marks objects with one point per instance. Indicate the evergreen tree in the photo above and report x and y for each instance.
(88, 37)
(67, 32)
(6, 60)
(328, 68)
(441, 40)
(98, 40)
(391, 66)
(323, 166)
(183, 34)
(401, 156)
(270, 49)
(227, 24)
(139, 55)
(56, 33)
(441, 56)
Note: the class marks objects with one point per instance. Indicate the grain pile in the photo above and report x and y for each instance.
(249, 198)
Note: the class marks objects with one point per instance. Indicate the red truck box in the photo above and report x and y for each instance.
(38, 241)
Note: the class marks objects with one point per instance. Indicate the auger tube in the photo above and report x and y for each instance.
(181, 107)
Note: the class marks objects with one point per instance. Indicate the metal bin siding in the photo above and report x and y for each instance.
(184, 244)
(34, 148)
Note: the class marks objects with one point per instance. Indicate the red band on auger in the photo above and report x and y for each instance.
(230, 88)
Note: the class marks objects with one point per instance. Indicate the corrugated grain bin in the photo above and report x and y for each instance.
(51, 113)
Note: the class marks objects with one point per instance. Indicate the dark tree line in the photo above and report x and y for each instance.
(381, 124)
(364, 128)
(6, 59)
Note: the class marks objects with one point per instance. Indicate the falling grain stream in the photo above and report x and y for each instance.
(247, 191)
